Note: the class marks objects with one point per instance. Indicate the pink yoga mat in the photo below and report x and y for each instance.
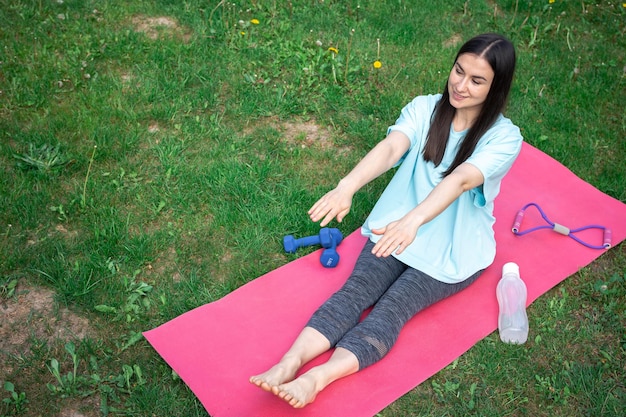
(215, 348)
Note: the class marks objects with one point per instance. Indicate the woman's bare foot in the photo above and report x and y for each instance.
(303, 390)
(282, 372)
(299, 392)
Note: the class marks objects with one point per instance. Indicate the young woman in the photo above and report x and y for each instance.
(434, 218)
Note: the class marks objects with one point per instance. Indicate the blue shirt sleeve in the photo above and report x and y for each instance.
(414, 121)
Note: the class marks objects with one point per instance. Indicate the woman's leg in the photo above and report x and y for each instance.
(372, 339)
(371, 278)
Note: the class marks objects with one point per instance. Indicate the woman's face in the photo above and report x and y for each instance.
(469, 82)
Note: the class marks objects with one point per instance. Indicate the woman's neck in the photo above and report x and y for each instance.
(463, 120)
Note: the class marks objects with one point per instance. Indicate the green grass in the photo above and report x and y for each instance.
(151, 166)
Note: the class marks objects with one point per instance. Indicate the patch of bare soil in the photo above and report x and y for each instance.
(301, 133)
(306, 133)
(163, 266)
(453, 41)
(155, 27)
(32, 313)
(87, 407)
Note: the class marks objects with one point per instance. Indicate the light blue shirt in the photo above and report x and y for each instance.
(460, 241)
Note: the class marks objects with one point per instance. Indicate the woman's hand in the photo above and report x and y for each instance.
(334, 204)
(396, 236)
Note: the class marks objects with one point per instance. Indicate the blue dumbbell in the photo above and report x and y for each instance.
(330, 256)
(325, 238)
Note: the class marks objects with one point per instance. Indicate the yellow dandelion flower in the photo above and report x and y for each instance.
(551, 1)
(333, 50)
(242, 33)
(255, 21)
(377, 64)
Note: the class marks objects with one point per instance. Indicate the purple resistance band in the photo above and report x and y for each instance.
(559, 228)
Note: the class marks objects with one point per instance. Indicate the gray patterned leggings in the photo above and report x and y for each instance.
(397, 293)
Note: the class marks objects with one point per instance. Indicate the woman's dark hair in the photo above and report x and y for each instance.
(499, 52)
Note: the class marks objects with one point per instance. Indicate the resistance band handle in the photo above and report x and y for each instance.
(607, 238)
(518, 221)
(559, 228)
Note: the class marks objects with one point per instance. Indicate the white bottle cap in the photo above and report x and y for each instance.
(510, 267)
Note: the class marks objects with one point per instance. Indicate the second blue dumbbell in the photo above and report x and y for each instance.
(327, 238)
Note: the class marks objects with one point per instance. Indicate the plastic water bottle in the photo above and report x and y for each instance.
(511, 294)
